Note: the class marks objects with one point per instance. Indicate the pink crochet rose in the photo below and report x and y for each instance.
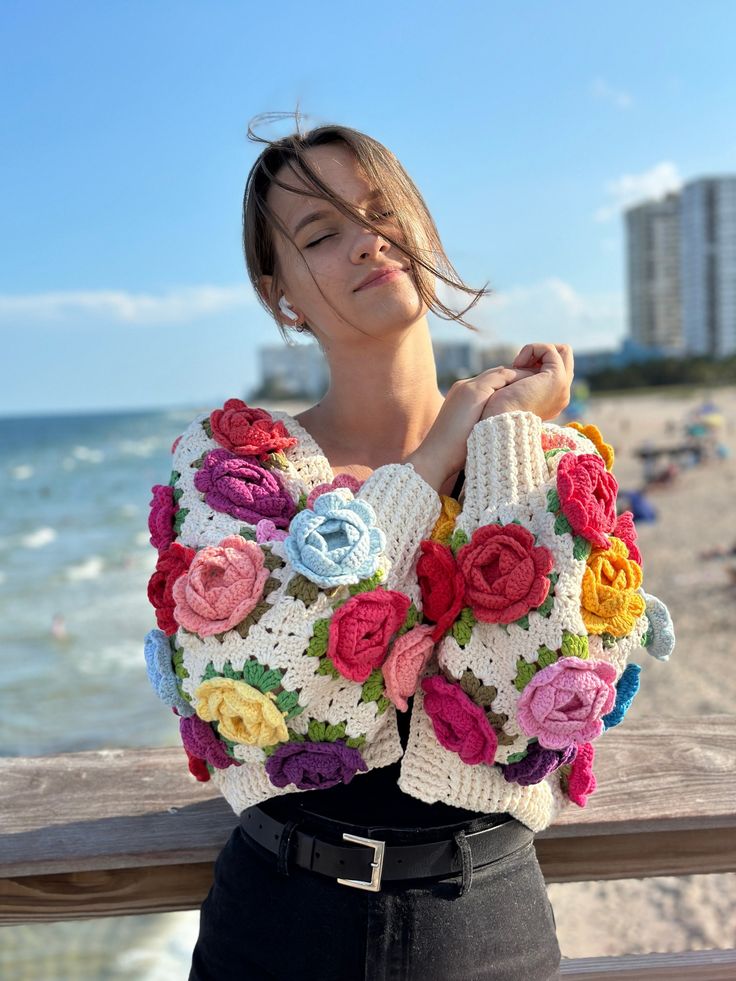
(626, 532)
(223, 584)
(342, 480)
(587, 493)
(248, 431)
(581, 781)
(405, 663)
(361, 630)
(241, 487)
(505, 573)
(459, 724)
(564, 703)
(161, 516)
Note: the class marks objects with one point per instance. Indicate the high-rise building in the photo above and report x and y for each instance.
(708, 265)
(653, 254)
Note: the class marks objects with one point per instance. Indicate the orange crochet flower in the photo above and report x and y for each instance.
(445, 524)
(609, 600)
(594, 435)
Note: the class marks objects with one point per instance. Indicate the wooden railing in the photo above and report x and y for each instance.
(117, 832)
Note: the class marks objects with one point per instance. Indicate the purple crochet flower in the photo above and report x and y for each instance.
(538, 763)
(200, 740)
(241, 487)
(161, 516)
(311, 766)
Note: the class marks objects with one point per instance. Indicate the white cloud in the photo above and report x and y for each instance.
(600, 89)
(630, 189)
(185, 304)
(549, 311)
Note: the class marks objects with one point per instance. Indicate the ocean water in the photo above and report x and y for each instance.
(75, 560)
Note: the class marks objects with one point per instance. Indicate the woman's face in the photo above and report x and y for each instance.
(339, 255)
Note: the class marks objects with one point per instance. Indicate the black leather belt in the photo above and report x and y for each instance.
(366, 861)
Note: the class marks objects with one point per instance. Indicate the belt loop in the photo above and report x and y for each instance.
(466, 858)
(282, 865)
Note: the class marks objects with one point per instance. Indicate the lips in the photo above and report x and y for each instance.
(380, 276)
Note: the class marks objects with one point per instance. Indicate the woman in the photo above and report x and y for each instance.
(358, 878)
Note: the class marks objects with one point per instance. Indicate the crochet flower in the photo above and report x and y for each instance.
(337, 542)
(240, 487)
(593, 433)
(587, 493)
(161, 516)
(564, 703)
(172, 563)
(459, 724)
(197, 767)
(405, 663)
(445, 524)
(314, 766)
(242, 713)
(627, 687)
(248, 431)
(223, 584)
(609, 599)
(626, 532)
(581, 781)
(361, 629)
(442, 585)
(660, 637)
(556, 441)
(199, 740)
(161, 672)
(505, 573)
(341, 480)
(538, 764)
(175, 444)
(266, 531)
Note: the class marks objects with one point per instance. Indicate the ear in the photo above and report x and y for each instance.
(264, 288)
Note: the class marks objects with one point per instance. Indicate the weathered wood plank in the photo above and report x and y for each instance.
(690, 965)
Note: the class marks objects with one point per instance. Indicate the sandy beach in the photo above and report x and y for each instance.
(695, 514)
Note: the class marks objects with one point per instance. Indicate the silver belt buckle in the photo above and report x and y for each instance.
(379, 847)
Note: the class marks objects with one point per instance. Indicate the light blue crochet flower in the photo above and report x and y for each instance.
(336, 542)
(660, 637)
(627, 687)
(161, 672)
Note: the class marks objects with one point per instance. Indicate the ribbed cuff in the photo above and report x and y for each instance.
(505, 461)
(407, 508)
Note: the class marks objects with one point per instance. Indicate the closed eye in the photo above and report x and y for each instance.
(317, 241)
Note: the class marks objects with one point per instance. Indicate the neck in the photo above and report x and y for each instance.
(382, 400)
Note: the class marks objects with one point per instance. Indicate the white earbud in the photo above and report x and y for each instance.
(286, 309)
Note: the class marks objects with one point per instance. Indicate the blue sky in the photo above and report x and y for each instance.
(528, 127)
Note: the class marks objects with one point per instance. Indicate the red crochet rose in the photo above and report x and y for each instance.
(172, 563)
(505, 573)
(247, 431)
(161, 516)
(361, 629)
(581, 782)
(587, 493)
(626, 532)
(459, 724)
(442, 586)
(197, 767)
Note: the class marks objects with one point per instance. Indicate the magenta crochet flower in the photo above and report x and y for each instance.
(199, 740)
(161, 516)
(459, 724)
(625, 531)
(537, 764)
(222, 585)
(564, 702)
(405, 663)
(587, 493)
(314, 766)
(266, 531)
(581, 782)
(241, 487)
(342, 480)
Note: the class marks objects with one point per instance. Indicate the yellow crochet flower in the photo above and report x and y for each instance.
(594, 435)
(445, 524)
(609, 601)
(242, 713)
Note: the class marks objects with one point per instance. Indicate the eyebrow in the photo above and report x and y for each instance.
(316, 215)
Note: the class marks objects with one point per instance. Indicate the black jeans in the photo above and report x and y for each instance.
(257, 923)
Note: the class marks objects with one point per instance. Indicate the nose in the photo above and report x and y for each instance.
(368, 245)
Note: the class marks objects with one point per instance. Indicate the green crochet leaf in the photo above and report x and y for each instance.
(287, 701)
(174, 477)
(553, 577)
(355, 742)
(574, 645)
(553, 502)
(412, 616)
(229, 672)
(581, 548)
(248, 532)
(209, 672)
(197, 464)
(335, 732)
(303, 589)
(545, 608)
(327, 667)
(277, 461)
(365, 585)
(382, 704)
(317, 731)
(546, 656)
(372, 686)
(178, 494)
(523, 622)
(517, 757)
(319, 639)
(462, 628)
(524, 673)
(302, 502)
(562, 525)
(648, 637)
(609, 641)
(177, 659)
(179, 519)
(207, 426)
(459, 538)
(272, 561)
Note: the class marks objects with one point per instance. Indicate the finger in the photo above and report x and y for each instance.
(546, 356)
(565, 352)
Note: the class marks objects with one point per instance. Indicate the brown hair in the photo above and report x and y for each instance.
(420, 240)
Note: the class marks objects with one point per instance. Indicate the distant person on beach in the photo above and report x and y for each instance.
(371, 616)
